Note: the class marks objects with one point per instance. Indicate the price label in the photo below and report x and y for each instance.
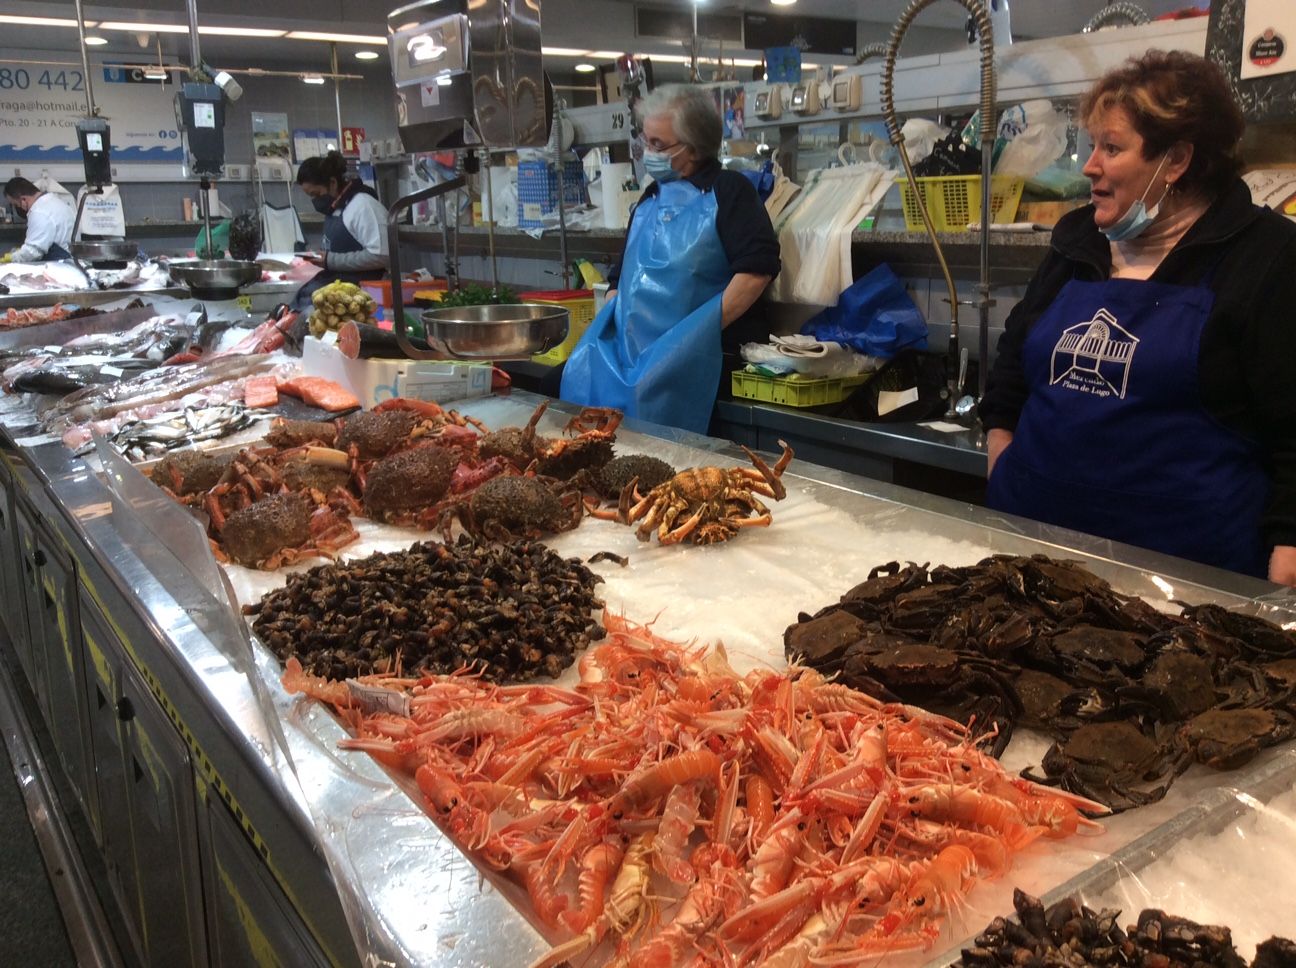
(113, 371)
(52, 348)
(375, 699)
(245, 303)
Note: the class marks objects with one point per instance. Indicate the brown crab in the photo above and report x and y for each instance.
(1224, 739)
(515, 505)
(1108, 762)
(281, 530)
(706, 504)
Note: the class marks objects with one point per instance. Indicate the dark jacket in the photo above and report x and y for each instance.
(1247, 362)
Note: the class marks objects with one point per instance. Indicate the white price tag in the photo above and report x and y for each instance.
(52, 348)
(889, 400)
(112, 371)
(376, 699)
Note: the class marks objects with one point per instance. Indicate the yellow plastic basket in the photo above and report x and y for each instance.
(954, 201)
(579, 304)
(794, 391)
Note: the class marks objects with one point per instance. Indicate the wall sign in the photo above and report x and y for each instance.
(313, 143)
(270, 139)
(40, 105)
(351, 141)
(811, 35)
(1253, 40)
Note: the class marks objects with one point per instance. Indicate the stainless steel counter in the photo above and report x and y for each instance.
(344, 852)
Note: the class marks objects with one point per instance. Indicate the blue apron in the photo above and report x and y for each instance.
(654, 350)
(336, 239)
(56, 253)
(1114, 440)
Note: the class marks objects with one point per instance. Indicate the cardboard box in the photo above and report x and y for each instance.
(374, 381)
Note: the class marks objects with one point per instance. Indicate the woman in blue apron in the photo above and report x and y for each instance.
(355, 225)
(699, 252)
(1145, 386)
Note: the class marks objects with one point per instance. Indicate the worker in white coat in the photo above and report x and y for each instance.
(49, 223)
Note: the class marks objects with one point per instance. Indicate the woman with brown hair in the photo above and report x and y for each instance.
(1145, 386)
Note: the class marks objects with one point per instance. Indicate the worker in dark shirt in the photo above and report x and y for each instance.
(699, 252)
(1145, 386)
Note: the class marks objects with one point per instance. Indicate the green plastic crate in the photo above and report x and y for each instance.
(794, 391)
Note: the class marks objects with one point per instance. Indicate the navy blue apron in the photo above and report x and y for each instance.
(1114, 440)
(336, 239)
(654, 349)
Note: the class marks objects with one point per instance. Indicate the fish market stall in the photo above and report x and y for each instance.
(323, 849)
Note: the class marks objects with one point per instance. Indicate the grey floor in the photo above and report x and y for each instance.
(31, 928)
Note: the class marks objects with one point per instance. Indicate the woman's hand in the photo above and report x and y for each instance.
(1282, 565)
(997, 442)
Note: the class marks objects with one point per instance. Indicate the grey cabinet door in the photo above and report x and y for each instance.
(30, 639)
(13, 614)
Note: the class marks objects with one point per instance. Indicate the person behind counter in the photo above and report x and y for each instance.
(699, 252)
(49, 223)
(1145, 386)
(355, 225)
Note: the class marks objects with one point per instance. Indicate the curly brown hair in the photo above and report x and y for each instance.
(1173, 96)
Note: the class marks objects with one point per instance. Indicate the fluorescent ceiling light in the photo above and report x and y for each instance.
(585, 68)
(143, 28)
(782, 3)
(445, 80)
(562, 52)
(366, 55)
(155, 74)
(313, 79)
(41, 21)
(240, 31)
(336, 38)
(93, 40)
(607, 54)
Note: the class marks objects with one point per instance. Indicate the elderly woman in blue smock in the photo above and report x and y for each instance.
(355, 225)
(699, 252)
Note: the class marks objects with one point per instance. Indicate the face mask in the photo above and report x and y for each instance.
(322, 204)
(1137, 217)
(658, 164)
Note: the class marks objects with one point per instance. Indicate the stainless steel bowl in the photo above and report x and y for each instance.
(105, 253)
(508, 332)
(214, 278)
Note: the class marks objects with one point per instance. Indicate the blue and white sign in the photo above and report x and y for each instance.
(40, 105)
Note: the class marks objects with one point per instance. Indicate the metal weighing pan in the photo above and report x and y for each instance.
(214, 278)
(105, 253)
(507, 332)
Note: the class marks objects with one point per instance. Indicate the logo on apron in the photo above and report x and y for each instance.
(1094, 357)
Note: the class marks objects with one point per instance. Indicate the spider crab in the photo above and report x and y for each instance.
(705, 504)
(586, 447)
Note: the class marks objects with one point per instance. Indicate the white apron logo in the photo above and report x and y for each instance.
(1094, 357)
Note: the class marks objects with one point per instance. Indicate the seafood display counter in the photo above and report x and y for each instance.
(235, 831)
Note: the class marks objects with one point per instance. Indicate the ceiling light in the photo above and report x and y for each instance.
(241, 32)
(312, 79)
(155, 74)
(336, 38)
(562, 52)
(782, 3)
(585, 68)
(445, 80)
(94, 40)
(366, 55)
(606, 54)
(151, 28)
(41, 21)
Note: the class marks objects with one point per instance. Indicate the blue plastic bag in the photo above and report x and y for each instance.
(761, 178)
(875, 316)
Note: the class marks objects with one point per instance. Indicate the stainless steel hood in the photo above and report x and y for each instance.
(467, 73)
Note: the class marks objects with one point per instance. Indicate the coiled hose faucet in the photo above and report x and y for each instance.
(985, 39)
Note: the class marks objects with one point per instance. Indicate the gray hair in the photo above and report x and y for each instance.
(693, 115)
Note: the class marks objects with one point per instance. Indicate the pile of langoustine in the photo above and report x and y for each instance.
(414, 463)
(675, 811)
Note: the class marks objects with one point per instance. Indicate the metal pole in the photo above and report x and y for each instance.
(204, 185)
(337, 90)
(490, 224)
(562, 201)
(85, 64)
(983, 288)
(195, 50)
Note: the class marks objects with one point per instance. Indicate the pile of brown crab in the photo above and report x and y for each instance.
(1131, 695)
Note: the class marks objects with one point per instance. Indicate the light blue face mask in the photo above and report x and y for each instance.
(658, 164)
(1137, 217)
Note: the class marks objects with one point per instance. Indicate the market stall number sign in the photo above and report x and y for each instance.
(39, 109)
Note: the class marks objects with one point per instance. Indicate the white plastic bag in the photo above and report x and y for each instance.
(1034, 136)
(920, 137)
(49, 185)
(103, 214)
